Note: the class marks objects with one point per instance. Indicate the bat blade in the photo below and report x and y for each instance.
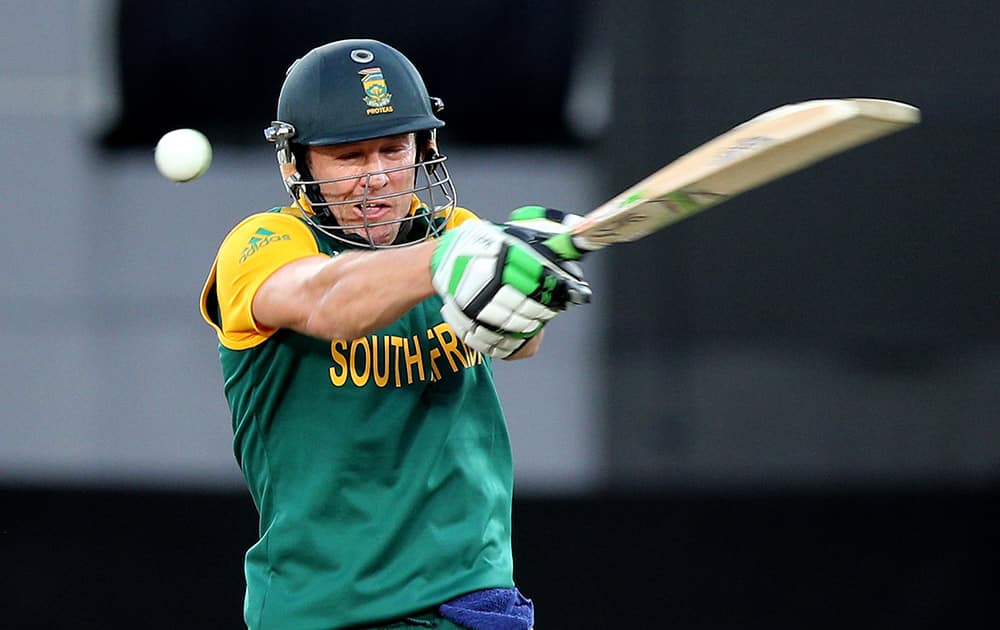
(761, 150)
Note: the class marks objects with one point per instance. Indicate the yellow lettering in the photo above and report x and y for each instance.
(360, 379)
(472, 357)
(450, 346)
(380, 379)
(435, 372)
(336, 351)
(397, 342)
(413, 359)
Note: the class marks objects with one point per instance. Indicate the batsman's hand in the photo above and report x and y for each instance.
(498, 292)
(548, 231)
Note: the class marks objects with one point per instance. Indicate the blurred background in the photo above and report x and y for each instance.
(783, 413)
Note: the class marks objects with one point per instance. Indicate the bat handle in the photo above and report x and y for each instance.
(578, 292)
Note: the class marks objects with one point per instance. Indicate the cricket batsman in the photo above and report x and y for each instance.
(357, 328)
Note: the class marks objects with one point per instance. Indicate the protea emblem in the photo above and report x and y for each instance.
(376, 92)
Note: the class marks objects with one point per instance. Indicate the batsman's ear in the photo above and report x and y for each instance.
(427, 140)
(427, 149)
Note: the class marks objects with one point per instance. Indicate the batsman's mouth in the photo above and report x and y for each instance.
(371, 211)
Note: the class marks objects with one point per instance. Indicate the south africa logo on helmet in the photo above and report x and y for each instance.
(377, 96)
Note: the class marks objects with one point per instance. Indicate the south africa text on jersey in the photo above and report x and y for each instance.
(393, 361)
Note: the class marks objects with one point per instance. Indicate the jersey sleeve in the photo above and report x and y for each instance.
(250, 253)
(458, 217)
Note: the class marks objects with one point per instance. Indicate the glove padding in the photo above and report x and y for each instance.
(484, 338)
(497, 291)
(548, 231)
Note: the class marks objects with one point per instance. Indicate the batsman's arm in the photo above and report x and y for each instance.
(489, 281)
(529, 349)
(347, 296)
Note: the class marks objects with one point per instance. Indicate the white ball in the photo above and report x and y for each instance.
(183, 155)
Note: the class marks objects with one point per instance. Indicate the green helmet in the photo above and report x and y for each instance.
(353, 90)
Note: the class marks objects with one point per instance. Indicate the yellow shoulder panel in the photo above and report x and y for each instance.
(249, 254)
(458, 217)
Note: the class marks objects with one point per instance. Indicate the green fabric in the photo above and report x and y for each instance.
(527, 213)
(381, 468)
(563, 246)
(560, 242)
(461, 262)
(522, 271)
(429, 620)
(444, 244)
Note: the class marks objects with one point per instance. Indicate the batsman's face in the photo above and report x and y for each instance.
(365, 170)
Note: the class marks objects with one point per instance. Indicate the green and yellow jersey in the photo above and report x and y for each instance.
(380, 466)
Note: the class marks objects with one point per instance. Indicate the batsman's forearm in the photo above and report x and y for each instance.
(529, 349)
(366, 291)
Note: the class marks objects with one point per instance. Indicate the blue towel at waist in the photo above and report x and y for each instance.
(490, 609)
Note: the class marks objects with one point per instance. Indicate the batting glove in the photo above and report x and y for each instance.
(549, 231)
(497, 291)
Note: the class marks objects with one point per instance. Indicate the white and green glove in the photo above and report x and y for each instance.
(547, 230)
(498, 292)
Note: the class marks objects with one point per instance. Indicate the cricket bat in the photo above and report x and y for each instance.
(761, 150)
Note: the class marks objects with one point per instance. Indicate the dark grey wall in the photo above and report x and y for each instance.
(844, 322)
